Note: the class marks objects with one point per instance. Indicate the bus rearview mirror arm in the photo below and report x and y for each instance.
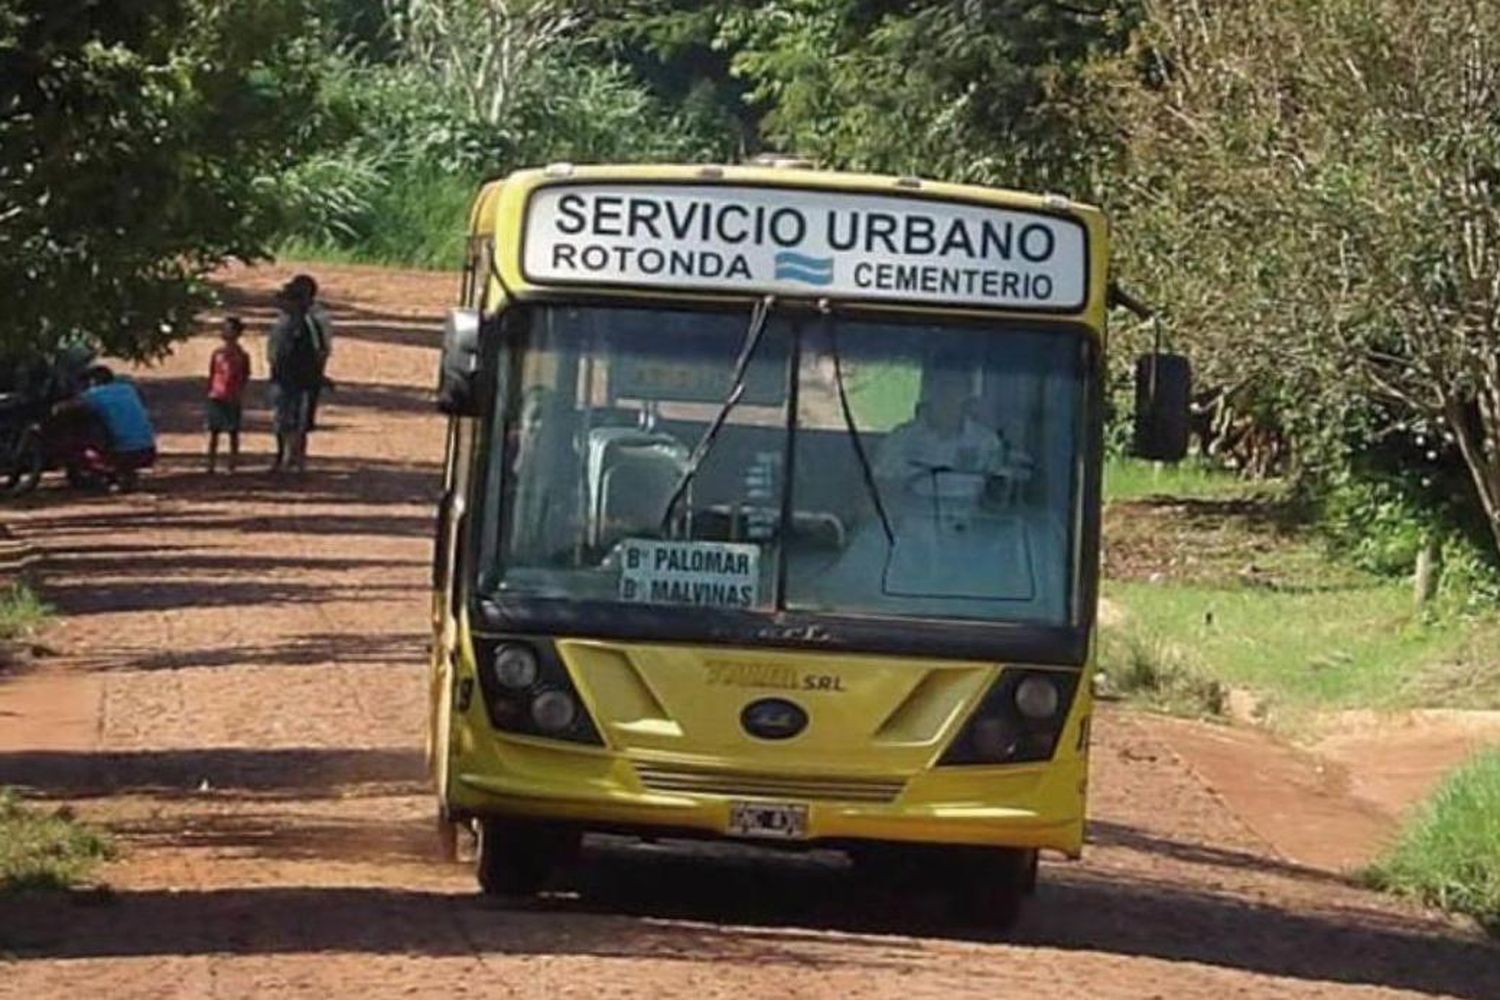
(1119, 298)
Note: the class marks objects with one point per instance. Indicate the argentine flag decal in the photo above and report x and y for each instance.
(791, 266)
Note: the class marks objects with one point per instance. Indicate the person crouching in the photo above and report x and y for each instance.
(115, 439)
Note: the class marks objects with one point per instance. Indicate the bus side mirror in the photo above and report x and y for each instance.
(461, 370)
(1163, 395)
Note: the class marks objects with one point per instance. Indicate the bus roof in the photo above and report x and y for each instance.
(483, 220)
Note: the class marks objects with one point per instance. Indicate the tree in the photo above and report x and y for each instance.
(1310, 189)
(967, 91)
(482, 50)
(957, 89)
(136, 143)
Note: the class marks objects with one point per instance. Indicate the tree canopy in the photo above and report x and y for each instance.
(137, 143)
(1309, 190)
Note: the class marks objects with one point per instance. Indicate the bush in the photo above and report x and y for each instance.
(41, 851)
(21, 612)
(1449, 856)
(1143, 666)
(1379, 521)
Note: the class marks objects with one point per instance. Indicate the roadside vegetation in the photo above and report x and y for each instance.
(40, 850)
(1449, 856)
(1220, 585)
(22, 615)
(22, 612)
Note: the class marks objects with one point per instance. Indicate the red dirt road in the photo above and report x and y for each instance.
(238, 695)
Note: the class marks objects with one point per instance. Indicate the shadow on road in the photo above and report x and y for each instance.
(267, 921)
(1104, 833)
(786, 902)
(177, 406)
(287, 773)
(371, 650)
(362, 483)
(350, 321)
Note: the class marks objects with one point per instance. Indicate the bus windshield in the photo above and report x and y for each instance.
(892, 467)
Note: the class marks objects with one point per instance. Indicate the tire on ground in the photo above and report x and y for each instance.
(517, 857)
(992, 884)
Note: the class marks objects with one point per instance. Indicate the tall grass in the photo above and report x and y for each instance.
(418, 218)
(1449, 856)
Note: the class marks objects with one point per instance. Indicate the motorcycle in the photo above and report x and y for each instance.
(22, 453)
(34, 439)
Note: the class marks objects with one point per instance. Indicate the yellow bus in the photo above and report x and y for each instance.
(770, 512)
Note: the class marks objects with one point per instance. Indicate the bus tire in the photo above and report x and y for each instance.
(517, 857)
(996, 885)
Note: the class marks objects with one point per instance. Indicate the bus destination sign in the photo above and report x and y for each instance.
(802, 242)
(708, 574)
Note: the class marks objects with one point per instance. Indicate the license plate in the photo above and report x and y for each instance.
(771, 820)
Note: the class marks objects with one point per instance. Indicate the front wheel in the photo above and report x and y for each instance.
(517, 857)
(993, 884)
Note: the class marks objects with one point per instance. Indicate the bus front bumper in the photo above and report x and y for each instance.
(1038, 806)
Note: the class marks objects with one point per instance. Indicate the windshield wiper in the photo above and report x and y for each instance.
(758, 317)
(867, 471)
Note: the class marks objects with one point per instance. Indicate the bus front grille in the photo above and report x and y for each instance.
(744, 784)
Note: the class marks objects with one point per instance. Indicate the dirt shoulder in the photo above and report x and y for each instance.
(240, 696)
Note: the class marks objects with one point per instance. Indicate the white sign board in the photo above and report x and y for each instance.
(800, 242)
(708, 574)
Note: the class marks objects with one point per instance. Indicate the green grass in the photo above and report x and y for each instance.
(1357, 646)
(1233, 587)
(21, 612)
(1449, 855)
(1132, 479)
(45, 850)
(418, 219)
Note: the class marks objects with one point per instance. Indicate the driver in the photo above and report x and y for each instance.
(940, 437)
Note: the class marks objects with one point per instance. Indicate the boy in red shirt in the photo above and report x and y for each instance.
(228, 371)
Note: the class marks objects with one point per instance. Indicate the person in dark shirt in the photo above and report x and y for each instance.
(298, 353)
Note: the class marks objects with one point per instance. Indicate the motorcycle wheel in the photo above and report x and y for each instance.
(83, 479)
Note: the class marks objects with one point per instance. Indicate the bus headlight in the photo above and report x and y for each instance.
(553, 711)
(514, 666)
(993, 737)
(529, 691)
(1036, 697)
(1019, 721)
